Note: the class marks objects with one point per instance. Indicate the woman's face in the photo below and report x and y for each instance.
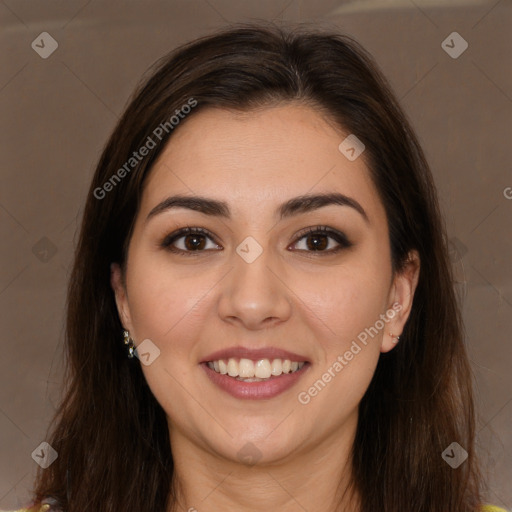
(257, 283)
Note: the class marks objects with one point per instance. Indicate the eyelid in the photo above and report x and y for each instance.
(187, 230)
(340, 238)
(320, 229)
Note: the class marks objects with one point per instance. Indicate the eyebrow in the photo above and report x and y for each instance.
(294, 206)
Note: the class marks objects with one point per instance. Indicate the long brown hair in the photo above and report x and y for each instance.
(109, 431)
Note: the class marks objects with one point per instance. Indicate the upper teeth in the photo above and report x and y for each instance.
(262, 368)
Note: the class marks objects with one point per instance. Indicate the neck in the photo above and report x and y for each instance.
(313, 478)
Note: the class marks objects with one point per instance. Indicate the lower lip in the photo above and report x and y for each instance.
(255, 390)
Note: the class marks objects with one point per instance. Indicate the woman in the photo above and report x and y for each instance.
(263, 229)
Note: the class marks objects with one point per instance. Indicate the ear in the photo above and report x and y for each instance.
(400, 300)
(117, 284)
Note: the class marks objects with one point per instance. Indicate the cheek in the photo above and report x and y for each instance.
(167, 306)
(350, 305)
(345, 300)
(350, 347)
(349, 301)
(164, 300)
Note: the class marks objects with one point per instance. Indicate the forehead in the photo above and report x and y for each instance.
(267, 155)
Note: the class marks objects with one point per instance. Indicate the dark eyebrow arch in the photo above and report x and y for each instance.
(294, 206)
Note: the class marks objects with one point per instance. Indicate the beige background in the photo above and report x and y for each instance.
(57, 114)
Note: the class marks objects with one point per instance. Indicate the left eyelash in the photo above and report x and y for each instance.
(338, 236)
(188, 230)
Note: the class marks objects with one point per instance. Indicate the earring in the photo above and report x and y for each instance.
(129, 342)
(393, 336)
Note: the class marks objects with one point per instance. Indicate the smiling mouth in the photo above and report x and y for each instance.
(248, 370)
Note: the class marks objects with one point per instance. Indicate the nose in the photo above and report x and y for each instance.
(255, 295)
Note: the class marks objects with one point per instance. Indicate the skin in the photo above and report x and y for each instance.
(309, 302)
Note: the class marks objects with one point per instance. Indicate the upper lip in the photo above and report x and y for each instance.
(255, 354)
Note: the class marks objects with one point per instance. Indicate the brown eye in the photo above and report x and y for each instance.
(194, 242)
(189, 240)
(322, 239)
(317, 242)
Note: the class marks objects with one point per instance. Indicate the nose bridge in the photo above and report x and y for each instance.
(254, 294)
